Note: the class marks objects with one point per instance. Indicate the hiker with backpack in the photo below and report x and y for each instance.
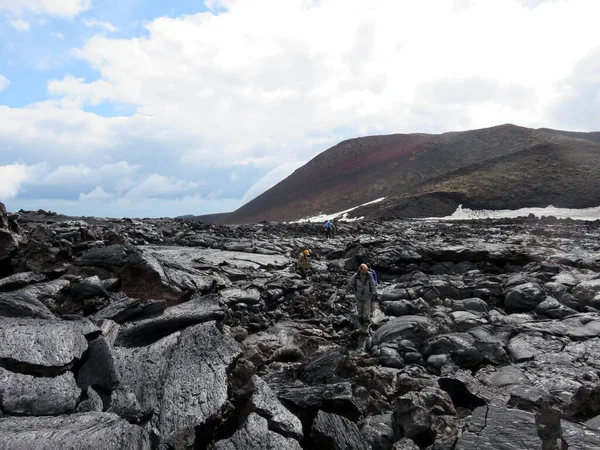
(302, 263)
(328, 228)
(362, 285)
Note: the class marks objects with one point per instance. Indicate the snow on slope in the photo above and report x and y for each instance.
(341, 216)
(560, 213)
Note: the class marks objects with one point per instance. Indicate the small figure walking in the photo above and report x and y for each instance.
(302, 264)
(363, 287)
(328, 228)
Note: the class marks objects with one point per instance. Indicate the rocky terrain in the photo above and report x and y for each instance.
(177, 334)
(429, 175)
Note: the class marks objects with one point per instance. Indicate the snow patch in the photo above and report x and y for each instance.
(560, 213)
(341, 216)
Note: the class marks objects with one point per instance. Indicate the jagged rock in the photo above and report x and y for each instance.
(585, 291)
(405, 444)
(413, 411)
(202, 353)
(399, 308)
(197, 310)
(88, 288)
(524, 297)
(236, 295)
(585, 404)
(123, 308)
(379, 431)
(323, 368)
(37, 396)
(417, 328)
(23, 304)
(334, 397)
(579, 437)
(124, 404)
(42, 346)
(89, 431)
(144, 370)
(498, 428)
(92, 402)
(255, 435)
(553, 309)
(20, 280)
(112, 258)
(265, 403)
(333, 432)
(470, 304)
(98, 369)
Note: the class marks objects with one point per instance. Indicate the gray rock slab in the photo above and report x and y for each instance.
(43, 343)
(580, 437)
(338, 396)
(123, 309)
(255, 435)
(85, 431)
(197, 310)
(144, 370)
(496, 428)
(337, 432)
(37, 396)
(20, 280)
(416, 328)
(196, 385)
(98, 369)
(23, 304)
(265, 403)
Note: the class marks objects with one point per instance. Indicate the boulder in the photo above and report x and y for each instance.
(414, 328)
(413, 411)
(333, 432)
(20, 280)
(379, 431)
(265, 403)
(523, 297)
(98, 369)
(123, 309)
(255, 435)
(23, 304)
(86, 431)
(497, 428)
(143, 332)
(37, 396)
(43, 347)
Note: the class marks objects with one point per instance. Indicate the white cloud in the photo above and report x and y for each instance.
(250, 86)
(20, 24)
(271, 179)
(11, 179)
(4, 82)
(57, 35)
(64, 8)
(97, 23)
(95, 194)
(159, 186)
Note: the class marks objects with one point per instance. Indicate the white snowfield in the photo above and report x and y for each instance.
(560, 213)
(470, 214)
(341, 216)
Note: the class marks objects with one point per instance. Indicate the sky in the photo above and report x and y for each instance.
(153, 108)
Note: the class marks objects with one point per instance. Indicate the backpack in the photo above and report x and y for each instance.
(374, 276)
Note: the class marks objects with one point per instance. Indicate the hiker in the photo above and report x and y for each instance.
(302, 263)
(363, 286)
(328, 228)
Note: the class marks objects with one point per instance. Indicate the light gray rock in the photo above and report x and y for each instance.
(88, 431)
(255, 435)
(123, 309)
(197, 310)
(144, 370)
(330, 431)
(93, 402)
(265, 403)
(98, 369)
(196, 385)
(43, 344)
(23, 304)
(124, 404)
(417, 328)
(580, 437)
(37, 396)
(379, 431)
(496, 428)
(20, 280)
(524, 297)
